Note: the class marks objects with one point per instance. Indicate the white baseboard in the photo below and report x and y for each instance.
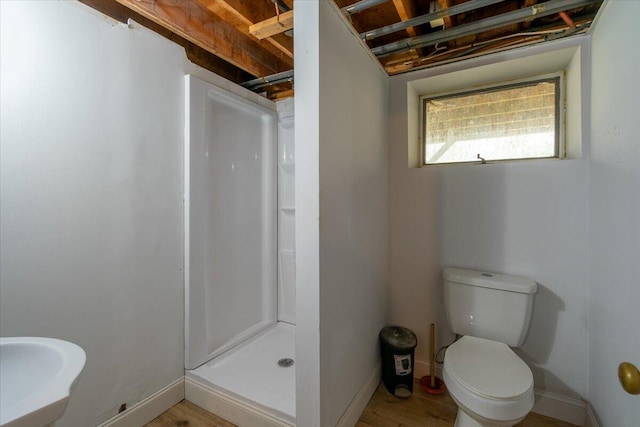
(559, 407)
(151, 407)
(592, 419)
(239, 412)
(230, 408)
(244, 414)
(352, 414)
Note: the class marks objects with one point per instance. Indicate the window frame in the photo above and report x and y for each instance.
(560, 123)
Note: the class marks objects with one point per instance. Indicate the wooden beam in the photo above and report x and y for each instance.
(447, 56)
(195, 53)
(242, 14)
(448, 20)
(276, 96)
(276, 25)
(399, 66)
(198, 25)
(406, 10)
(527, 3)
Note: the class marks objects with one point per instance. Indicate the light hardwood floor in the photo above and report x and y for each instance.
(186, 414)
(426, 410)
(383, 410)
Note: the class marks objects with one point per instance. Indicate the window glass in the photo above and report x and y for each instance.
(509, 122)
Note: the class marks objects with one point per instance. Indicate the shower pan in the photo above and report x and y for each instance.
(239, 256)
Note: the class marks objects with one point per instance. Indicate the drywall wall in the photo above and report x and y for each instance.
(527, 218)
(353, 213)
(615, 213)
(307, 224)
(92, 122)
(340, 150)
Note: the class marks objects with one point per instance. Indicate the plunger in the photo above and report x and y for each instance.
(430, 383)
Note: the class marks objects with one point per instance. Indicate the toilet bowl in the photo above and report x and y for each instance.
(490, 384)
(492, 312)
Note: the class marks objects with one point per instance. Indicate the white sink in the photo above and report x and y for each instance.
(37, 376)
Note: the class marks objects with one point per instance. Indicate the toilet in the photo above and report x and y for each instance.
(490, 384)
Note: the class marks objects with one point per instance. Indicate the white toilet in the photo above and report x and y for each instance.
(490, 384)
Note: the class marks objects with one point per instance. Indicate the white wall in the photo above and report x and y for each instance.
(527, 218)
(91, 197)
(614, 280)
(307, 225)
(348, 142)
(353, 213)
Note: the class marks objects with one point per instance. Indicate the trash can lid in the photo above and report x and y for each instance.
(399, 337)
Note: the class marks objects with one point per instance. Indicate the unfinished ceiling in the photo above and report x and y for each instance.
(251, 41)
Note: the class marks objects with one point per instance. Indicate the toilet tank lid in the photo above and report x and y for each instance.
(485, 279)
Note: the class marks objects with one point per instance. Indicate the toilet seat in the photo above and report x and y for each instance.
(488, 378)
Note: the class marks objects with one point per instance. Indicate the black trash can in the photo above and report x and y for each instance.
(398, 345)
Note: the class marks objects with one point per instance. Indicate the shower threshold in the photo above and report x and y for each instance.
(246, 385)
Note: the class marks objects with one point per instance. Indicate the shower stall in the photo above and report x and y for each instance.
(239, 256)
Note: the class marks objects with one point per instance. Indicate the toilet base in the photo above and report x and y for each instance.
(463, 419)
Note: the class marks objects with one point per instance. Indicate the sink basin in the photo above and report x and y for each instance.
(37, 376)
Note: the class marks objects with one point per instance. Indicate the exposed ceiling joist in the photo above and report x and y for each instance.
(448, 20)
(406, 10)
(243, 14)
(217, 33)
(195, 53)
(207, 30)
(505, 42)
(527, 3)
(472, 28)
(423, 19)
(272, 26)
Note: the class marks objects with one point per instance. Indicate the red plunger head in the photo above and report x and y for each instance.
(438, 388)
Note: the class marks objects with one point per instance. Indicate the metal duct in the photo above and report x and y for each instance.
(259, 83)
(536, 11)
(361, 5)
(423, 19)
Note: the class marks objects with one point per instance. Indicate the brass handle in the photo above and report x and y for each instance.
(629, 377)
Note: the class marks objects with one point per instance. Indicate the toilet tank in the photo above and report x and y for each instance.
(489, 305)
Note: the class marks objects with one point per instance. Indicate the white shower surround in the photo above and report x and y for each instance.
(261, 392)
(286, 212)
(239, 256)
(230, 222)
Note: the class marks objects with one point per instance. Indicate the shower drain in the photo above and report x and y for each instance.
(286, 362)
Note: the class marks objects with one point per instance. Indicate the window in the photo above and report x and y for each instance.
(515, 121)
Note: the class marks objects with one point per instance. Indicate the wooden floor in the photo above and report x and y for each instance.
(186, 414)
(383, 410)
(425, 410)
